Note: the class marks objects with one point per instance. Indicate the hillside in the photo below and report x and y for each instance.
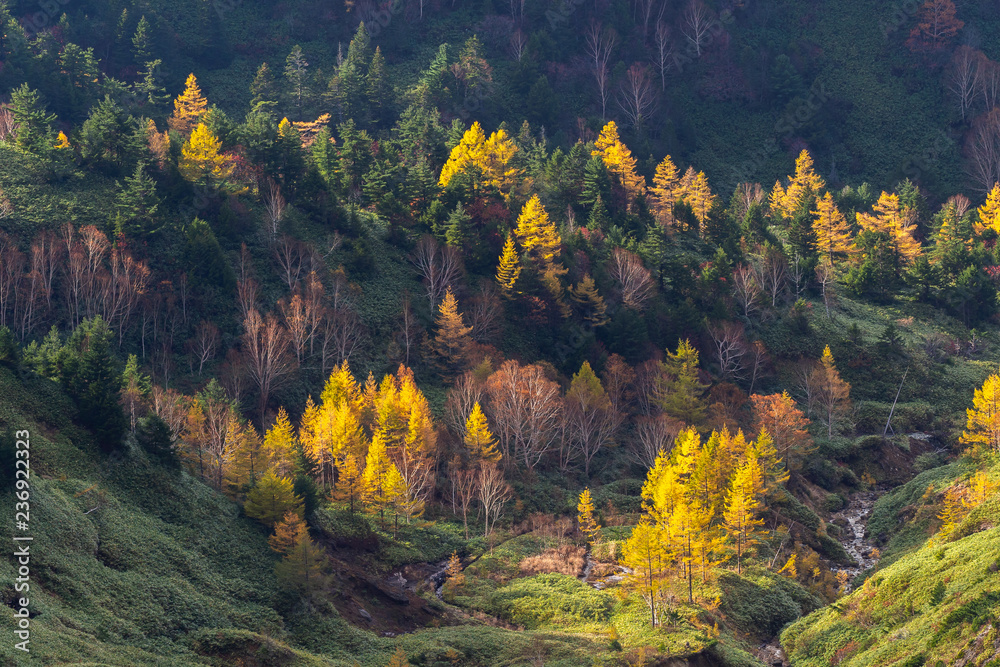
(418, 333)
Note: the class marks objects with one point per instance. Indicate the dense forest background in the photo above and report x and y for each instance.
(516, 333)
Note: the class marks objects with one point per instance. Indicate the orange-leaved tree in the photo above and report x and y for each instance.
(189, 108)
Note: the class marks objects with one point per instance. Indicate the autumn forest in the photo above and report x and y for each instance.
(640, 332)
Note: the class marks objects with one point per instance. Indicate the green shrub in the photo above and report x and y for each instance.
(762, 604)
(834, 502)
(549, 599)
(937, 595)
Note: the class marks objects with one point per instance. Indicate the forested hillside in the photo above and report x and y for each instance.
(422, 333)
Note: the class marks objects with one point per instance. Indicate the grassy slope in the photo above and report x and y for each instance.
(161, 557)
(168, 572)
(895, 615)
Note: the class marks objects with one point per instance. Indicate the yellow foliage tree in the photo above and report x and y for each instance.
(478, 439)
(350, 484)
(249, 458)
(983, 419)
(189, 108)
(380, 478)
(889, 218)
(488, 160)
(537, 233)
(271, 499)
(509, 268)
(286, 532)
(451, 342)
(643, 553)
(201, 161)
(805, 182)
(740, 517)
(399, 659)
(302, 567)
(980, 488)
(585, 517)
(833, 235)
(619, 161)
(665, 191)
(989, 213)
(590, 302)
(280, 444)
(700, 196)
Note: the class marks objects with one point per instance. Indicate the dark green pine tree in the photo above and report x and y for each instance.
(596, 182)
(136, 205)
(378, 90)
(34, 125)
(205, 260)
(350, 85)
(456, 229)
(421, 187)
(598, 220)
(263, 87)
(801, 235)
(297, 75)
(110, 136)
(149, 88)
(354, 155)
(142, 45)
(154, 436)
(323, 154)
(93, 378)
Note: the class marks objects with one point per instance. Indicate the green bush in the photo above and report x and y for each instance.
(761, 603)
(555, 599)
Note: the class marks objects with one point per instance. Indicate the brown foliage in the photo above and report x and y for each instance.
(567, 559)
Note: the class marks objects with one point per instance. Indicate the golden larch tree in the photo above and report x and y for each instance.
(304, 561)
(509, 267)
(740, 516)
(805, 182)
(585, 517)
(280, 444)
(785, 423)
(644, 555)
(201, 162)
(620, 162)
(936, 26)
(399, 659)
(487, 159)
(833, 394)
(989, 213)
(699, 196)
(271, 499)
(189, 108)
(451, 342)
(665, 190)
(350, 485)
(982, 425)
(479, 442)
(537, 234)
(833, 235)
(285, 532)
(380, 478)
(890, 218)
